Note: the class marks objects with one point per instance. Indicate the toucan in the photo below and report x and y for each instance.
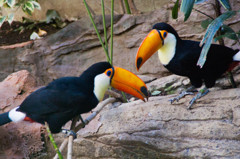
(67, 97)
(180, 57)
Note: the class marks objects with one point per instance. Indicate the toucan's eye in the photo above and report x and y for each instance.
(165, 34)
(109, 73)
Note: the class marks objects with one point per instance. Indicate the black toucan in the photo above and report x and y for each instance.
(180, 57)
(67, 97)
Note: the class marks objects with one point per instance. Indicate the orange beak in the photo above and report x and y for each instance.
(152, 42)
(130, 83)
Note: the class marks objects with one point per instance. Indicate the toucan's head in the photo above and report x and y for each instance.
(161, 37)
(104, 75)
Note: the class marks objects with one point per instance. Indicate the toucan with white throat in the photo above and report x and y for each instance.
(67, 97)
(180, 57)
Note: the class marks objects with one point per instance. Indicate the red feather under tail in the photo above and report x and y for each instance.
(28, 119)
(233, 65)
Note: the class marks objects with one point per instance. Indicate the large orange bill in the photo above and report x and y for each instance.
(130, 83)
(152, 42)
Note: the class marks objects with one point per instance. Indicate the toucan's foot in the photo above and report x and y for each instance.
(69, 132)
(82, 121)
(181, 95)
(189, 91)
(200, 94)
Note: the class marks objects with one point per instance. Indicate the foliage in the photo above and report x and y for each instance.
(211, 31)
(52, 18)
(28, 6)
(212, 25)
(104, 46)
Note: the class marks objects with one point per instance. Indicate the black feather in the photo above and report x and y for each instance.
(187, 53)
(64, 98)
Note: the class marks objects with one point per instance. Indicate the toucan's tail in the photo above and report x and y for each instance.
(12, 115)
(4, 118)
(236, 61)
(236, 57)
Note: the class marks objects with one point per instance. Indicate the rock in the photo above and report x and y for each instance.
(71, 50)
(147, 79)
(21, 140)
(171, 82)
(125, 23)
(175, 84)
(157, 129)
(154, 129)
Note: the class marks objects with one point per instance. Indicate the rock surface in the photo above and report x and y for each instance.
(73, 49)
(22, 140)
(157, 129)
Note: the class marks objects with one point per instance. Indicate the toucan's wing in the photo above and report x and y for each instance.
(59, 96)
(186, 57)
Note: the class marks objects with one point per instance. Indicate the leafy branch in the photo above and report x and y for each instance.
(211, 31)
(28, 7)
(105, 30)
(212, 25)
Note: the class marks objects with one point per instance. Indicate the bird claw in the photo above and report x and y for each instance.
(200, 94)
(84, 124)
(174, 99)
(181, 95)
(69, 132)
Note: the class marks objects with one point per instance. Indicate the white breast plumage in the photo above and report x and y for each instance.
(167, 51)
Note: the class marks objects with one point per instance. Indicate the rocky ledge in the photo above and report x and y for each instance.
(153, 129)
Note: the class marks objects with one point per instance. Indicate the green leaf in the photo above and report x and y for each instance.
(1, 3)
(232, 36)
(186, 8)
(228, 32)
(2, 19)
(199, 1)
(27, 20)
(225, 4)
(36, 5)
(11, 3)
(175, 10)
(226, 29)
(205, 23)
(52, 15)
(18, 4)
(10, 18)
(26, 10)
(155, 93)
(211, 31)
(238, 33)
(29, 6)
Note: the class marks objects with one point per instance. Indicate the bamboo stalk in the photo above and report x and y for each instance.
(122, 6)
(53, 142)
(95, 27)
(63, 145)
(112, 15)
(104, 25)
(127, 7)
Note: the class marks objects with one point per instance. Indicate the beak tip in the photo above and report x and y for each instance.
(138, 63)
(145, 93)
(145, 99)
